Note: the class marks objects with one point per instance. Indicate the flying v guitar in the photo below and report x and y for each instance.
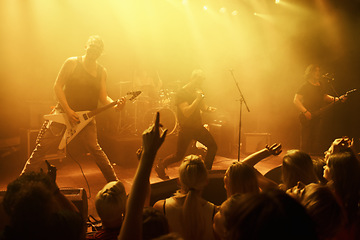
(85, 117)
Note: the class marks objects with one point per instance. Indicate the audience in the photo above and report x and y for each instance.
(321, 200)
(342, 172)
(187, 212)
(240, 178)
(297, 167)
(271, 214)
(110, 203)
(38, 210)
(155, 224)
(322, 206)
(132, 228)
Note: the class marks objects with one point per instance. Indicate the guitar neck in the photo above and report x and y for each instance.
(101, 109)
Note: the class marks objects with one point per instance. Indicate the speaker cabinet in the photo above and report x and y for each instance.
(77, 196)
(254, 142)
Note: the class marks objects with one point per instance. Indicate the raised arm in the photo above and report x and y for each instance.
(256, 157)
(253, 159)
(152, 140)
(64, 74)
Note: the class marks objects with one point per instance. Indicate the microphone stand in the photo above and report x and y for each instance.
(241, 100)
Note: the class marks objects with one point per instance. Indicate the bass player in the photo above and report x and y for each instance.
(310, 98)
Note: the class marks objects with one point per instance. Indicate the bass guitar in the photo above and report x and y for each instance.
(317, 114)
(85, 117)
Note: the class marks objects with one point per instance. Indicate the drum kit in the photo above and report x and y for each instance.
(165, 105)
(141, 113)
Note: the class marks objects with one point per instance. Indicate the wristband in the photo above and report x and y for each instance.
(305, 112)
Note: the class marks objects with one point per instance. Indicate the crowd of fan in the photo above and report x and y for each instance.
(317, 199)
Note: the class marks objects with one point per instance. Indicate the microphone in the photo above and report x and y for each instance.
(328, 77)
(231, 70)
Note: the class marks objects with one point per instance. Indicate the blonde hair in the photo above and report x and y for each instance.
(193, 177)
(110, 204)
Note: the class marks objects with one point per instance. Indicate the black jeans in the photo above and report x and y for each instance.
(311, 137)
(186, 135)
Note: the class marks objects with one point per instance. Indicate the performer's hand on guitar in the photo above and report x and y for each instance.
(121, 104)
(73, 117)
(211, 109)
(308, 116)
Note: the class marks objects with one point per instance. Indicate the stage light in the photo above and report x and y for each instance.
(234, 12)
(205, 8)
(277, 1)
(222, 10)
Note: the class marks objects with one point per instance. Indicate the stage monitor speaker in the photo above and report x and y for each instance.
(77, 196)
(254, 142)
(213, 192)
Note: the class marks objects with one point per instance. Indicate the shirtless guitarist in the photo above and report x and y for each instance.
(80, 85)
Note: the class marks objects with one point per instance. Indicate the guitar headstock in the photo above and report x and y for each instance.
(133, 94)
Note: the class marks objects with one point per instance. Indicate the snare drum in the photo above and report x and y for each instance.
(167, 119)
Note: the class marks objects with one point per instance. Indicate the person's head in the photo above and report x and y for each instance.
(31, 203)
(240, 178)
(193, 174)
(155, 224)
(319, 169)
(323, 208)
(94, 47)
(110, 203)
(197, 78)
(312, 72)
(342, 171)
(193, 177)
(266, 215)
(297, 166)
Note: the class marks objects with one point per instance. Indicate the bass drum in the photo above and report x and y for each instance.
(167, 119)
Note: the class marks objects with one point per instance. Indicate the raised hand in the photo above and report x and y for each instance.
(152, 138)
(274, 149)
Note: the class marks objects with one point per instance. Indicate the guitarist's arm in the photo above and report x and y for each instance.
(298, 101)
(104, 98)
(65, 71)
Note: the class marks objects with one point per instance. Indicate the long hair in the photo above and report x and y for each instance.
(266, 215)
(298, 167)
(193, 177)
(344, 169)
(324, 209)
(309, 71)
(241, 179)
